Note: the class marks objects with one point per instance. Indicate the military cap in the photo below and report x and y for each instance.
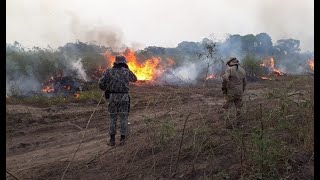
(235, 60)
(120, 59)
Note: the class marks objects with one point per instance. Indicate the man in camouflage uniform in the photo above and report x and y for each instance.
(233, 85)
(115, 82)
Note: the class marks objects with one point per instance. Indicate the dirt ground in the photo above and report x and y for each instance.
(40, 141)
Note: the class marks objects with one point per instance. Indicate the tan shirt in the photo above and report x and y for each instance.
(235, 80)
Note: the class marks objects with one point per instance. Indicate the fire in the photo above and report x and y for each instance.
(211, 76)
(270, 64)
(148, 70)
(61, 85)
(47, 89)
(311, 64)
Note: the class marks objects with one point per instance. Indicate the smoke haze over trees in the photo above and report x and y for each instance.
(28, 68)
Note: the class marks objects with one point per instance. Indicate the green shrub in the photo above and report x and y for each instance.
(252, 66)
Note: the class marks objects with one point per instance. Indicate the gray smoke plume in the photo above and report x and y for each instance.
(185, 74)
(19, 83)
(296, 20)
(22, 85)
(102, 35)
(81, 74)
(190, 72)
(26, 71)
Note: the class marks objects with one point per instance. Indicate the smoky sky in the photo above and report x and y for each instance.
(166, 23)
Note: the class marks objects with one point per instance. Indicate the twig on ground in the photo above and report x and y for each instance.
(75, 126)
(75, 152)
(134, 156)
(184, 127)
(11, 174)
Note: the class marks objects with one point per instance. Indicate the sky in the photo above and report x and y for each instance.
(142, 23)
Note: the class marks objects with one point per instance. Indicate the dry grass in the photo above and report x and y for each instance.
(179, 133)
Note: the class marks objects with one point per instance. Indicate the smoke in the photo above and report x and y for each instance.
(20, 82)
(296, 20)
(185, 74)
(23, 85)
(78, 67)
(48, 21)
(190, 72)
(26, 71)
(231, 48)
(109, 36)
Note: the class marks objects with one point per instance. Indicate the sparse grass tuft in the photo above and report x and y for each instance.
(284, 127)
(44, 101)
(164, 133)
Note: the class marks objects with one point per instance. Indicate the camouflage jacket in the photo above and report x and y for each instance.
(116, 81)
(234, 80)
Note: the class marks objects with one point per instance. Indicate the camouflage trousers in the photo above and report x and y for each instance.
(119, 109)
(233, 99)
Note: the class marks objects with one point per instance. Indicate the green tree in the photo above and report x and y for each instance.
(252, 67)
(264, 46)
(249, 43)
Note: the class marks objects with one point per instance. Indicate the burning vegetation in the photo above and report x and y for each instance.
(188, 63)
(146, 71)
(270, 64)
(149, 69)
(62, 85)
(311, 64)
(213, 76)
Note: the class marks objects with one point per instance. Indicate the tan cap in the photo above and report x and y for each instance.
(232, 59)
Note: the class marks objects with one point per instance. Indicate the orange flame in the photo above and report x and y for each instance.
(211, 76)
(47, 89)
(148, 70)
(270, 64)
(76, 95)
(311, 64)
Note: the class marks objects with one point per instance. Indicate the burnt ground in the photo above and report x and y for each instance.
(40, 141)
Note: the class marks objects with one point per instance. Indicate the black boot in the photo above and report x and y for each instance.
(122, 139)
(112, 140)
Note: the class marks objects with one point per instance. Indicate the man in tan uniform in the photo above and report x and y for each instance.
(233, 85)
